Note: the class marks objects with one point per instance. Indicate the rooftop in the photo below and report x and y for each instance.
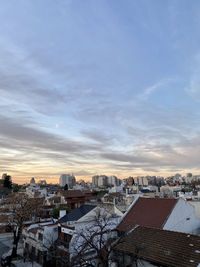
(76, 214)
(150, 212)
(166, 248)
(72, 193)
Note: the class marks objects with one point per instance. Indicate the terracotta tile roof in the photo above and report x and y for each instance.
(72, 193)
(88, 192)
(162, 247)
(150, 212)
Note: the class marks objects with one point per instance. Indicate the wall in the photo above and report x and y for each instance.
(196, 205)
(50, 235)
(183, 218)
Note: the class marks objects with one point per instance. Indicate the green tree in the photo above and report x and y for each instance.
(56, 213)
(66, 187)
(7, 183)
(16, 187)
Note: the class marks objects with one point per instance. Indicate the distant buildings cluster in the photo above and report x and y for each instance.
(105, 181)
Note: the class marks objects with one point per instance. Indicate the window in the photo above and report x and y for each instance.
(40, 236)
(67, 239)
(27, 246)
(33, 252)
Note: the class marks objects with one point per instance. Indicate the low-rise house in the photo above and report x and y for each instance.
(169, 214)
(76, 214)
(83, 221)
(90, 196)
(34, 190)
(73, 198)
(46, 211)
(38, 239)
(170, 191)
(66, 229)
(91, 233)
(148, 247)
(121, 200)
(113, 198)
(53, 200)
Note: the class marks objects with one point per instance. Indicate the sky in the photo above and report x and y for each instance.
(99, 87)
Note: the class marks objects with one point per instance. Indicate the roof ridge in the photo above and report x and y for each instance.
(170, 213)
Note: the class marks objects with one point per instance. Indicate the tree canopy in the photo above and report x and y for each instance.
(7, 182)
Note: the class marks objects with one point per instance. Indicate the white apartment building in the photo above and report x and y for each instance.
(68, 179)
(141, 181)
(113, 181)
(103, 180)
(100, 180)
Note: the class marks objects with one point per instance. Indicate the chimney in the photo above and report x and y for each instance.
(62, 213)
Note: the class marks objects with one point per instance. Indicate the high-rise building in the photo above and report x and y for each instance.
(68, 179)
(95, 179)
(100, 180)
(103, 181)
(141, 180)
(113, 181)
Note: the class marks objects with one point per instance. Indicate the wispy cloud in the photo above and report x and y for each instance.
(193, 87)
(148, 91)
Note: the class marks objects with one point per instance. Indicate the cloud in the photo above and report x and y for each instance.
(183, 154)
(27, 151)
(83, 173)
(193, 88)
(17, 136)
(24, 82)
(148, 91)
(98, 136)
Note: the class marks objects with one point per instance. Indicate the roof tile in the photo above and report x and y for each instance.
(166, 248)
(150, 212)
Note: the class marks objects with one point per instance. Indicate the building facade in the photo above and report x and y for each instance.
(68, 179)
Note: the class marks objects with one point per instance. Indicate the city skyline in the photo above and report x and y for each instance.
(94, 87)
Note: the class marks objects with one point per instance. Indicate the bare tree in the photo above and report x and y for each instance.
(23, 209)
(93, 244)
